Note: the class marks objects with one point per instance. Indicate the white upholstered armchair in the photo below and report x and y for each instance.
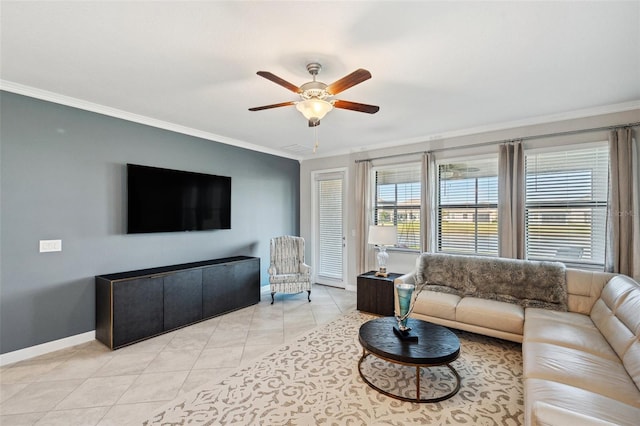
(287, 272)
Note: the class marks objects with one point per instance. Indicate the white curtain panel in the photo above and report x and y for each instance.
(635, 190)
(511, 195)
(363, 206)
(427, 206)
(622, 253)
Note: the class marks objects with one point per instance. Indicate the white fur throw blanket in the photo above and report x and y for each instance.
(523, 282)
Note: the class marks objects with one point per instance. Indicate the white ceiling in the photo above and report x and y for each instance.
(438, 67)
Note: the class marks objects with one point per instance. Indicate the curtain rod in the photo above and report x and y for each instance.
(525, 138)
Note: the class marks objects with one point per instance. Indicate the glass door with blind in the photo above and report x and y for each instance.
(329, 251)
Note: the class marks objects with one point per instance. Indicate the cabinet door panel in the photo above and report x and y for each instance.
(182, 298)
(247, 276)
(230, 286)
(137, 310)
(216, 285)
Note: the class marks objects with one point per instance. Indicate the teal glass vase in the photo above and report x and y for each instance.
(405, 295)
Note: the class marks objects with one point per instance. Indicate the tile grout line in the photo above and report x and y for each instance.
(89, 352)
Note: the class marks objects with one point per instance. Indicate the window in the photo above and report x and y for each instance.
(468, 206)
(566, 204)
(397, 202)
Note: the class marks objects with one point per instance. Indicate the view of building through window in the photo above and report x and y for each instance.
(397, 202)
(565, 204)
(468, 207)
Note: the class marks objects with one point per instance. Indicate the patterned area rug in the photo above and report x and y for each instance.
(315, 380)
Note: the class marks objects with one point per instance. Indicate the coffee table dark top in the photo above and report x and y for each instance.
(436, 344)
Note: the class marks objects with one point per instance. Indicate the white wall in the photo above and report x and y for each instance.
(402, 262)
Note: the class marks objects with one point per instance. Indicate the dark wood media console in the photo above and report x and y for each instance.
(135, 305)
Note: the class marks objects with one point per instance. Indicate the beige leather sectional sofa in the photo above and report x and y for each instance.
(581, 355)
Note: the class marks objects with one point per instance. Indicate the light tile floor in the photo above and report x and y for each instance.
(89, 384)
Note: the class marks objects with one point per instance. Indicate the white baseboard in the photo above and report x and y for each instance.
(45, 348)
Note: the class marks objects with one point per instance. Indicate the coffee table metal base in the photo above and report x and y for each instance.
(417, 366)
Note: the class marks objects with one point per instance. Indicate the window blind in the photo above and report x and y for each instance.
(397, 202)
(566, 204)
(468, 206)
(330, 228)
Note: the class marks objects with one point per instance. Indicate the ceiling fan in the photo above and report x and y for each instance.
(315, 96)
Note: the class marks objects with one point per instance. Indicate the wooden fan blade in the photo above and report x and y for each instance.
(356, 77)
(354, 106)
(260, 108)
(278, 80)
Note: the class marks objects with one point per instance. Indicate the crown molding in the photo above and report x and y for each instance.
(140, 119)
(509, 125)
(57, 98)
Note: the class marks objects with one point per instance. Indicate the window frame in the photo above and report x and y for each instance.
(475, 208)
(578, 204)
(396, 206)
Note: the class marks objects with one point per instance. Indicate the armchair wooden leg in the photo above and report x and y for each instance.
(272, 293)
(309, 295)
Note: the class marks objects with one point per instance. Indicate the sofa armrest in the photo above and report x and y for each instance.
(304, 268)
(545, 414)
(409, 278)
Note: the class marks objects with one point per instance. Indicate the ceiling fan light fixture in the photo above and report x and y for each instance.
(314, 109)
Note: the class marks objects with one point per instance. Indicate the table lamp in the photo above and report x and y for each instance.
(382, 236)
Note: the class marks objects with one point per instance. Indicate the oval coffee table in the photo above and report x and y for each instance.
(436, 346)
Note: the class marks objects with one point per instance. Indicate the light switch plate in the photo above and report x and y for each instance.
(50, 245)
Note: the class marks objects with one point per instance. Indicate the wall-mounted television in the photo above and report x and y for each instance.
(165, 200)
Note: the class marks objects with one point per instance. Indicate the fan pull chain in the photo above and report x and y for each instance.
(315, 136)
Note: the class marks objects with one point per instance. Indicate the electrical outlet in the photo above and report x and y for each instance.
(50, 245)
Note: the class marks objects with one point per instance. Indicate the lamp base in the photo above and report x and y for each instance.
(405, 335)
(383, 256)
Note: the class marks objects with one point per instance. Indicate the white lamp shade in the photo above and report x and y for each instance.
(383, 235)
(314, 108)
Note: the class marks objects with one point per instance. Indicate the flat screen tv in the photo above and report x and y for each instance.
(164, 200)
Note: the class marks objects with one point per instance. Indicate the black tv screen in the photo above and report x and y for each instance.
(164, 200)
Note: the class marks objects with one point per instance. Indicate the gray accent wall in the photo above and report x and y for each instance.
(63, 176)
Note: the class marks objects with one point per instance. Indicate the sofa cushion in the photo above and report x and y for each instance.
(584, 288)
(572, 318)
(491, 314)
(436, 304)
(631, 362)
(545, 414)
(578, 400)
(617, 313)
(566, 329)
(287, 278)
(580, 369)
(628, 310)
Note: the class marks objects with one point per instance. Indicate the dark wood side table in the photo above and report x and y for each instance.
(375, 294)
